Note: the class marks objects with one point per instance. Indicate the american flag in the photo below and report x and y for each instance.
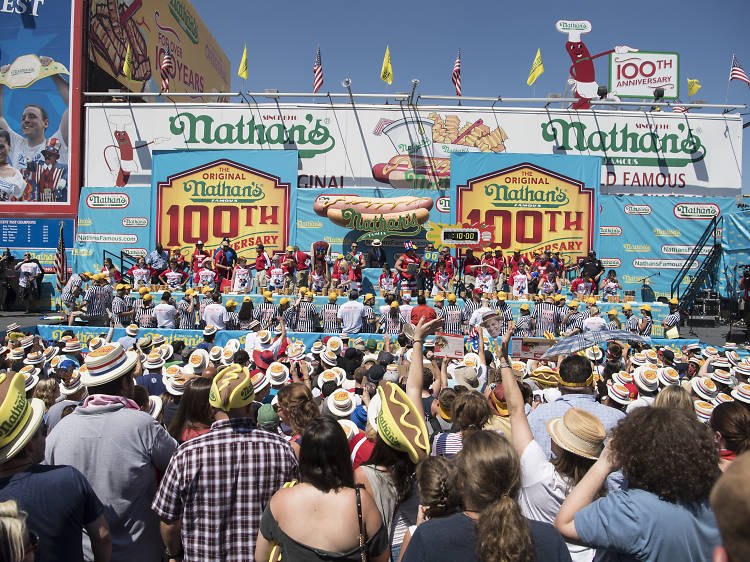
(737, 72)
(456, 76)
(61, 262)
(679, 109)
(167, 66)
(317, 73)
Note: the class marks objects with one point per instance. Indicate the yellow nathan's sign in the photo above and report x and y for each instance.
(223, 199)
(530, 208)
(149, 27)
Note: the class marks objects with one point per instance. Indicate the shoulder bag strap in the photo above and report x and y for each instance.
(362, 531)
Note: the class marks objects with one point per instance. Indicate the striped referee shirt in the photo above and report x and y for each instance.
(632, 324)
(67, 294)
(187, 319)
(574, 321)
(119, 305)
(613, 325)
(469, 308)
(672, 319)
(329, 317)
(391, 324)
(234, 322)
(547, 317)
(305, 317)
(505, 313)
(523, 327)
(98, 300)
(452, 314)
(647, 330)
(145, 318)
(367, 327)
(266, 313)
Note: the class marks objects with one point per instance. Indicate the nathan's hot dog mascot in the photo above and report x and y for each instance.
(582, 72)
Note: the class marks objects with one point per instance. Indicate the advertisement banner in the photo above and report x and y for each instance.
(208, 195)
(529, 202)
(111, 220)
(40, 99)
(650, 237)
(150, 27)
(637, 75)
(37, 236)
(404, 147)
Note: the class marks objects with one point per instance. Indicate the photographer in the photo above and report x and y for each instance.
(6, 274)
(745, 288)
(29, 272)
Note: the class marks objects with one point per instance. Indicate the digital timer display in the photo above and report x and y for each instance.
(461, 236)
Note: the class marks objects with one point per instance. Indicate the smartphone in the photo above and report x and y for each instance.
(358, 390)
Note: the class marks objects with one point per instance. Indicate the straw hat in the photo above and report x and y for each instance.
(198, 361)
(639, 359)
(646, 380)
(259, 380)
(166, 351)
(28, 341)
(704, 387)
(72, 346)
(153, 361)
(594, 353)
(709, 351)
(723, 377)
(741, 393)
(16, 354)
(31, 377)
(73, 385)
(578, 432)
(176, 384)
(335, 345)
(741, 370)
(721, 363)
(50, 352)
(618, 392)
(107, 363)
(340, 404)
(703, 410)
(466, 376)
(471, 360)
(277, 373)
(326, 376)
(227, 356)
(154, 406)
(329, 358)
(651, 356)
(667, 376)
(210, 330)
(19, 418)
(132, 330)
(721, 398)
(34, 358)
(623, 377)
(317, 347)
(215, 354)
(264, 337)
(349, 427)
(296, 351)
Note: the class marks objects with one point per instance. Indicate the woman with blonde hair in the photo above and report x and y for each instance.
(48, 391)
(674, 396)
(17, 543)
(491, 526)
(297, 409)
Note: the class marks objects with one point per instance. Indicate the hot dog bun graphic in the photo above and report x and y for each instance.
(334, 207)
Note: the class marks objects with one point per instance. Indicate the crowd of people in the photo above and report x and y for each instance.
(143, 449)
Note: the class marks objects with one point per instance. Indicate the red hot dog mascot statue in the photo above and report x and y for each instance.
(582, 72)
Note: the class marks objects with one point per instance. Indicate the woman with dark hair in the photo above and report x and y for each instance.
(611, 284)
(245, 315)
(730, 422)
(671, 463)
(297, 408)
(12, 184)
(319, 518)
(491, 526)
(193, 417)
(471, 412)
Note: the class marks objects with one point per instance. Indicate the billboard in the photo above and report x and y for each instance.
(39, 101)
(410, 147)
(529, 202)
(637, 75)
(150, 27)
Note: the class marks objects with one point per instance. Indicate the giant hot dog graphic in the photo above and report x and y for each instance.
(349, 210)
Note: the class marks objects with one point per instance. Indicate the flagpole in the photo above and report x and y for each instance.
(729, 80)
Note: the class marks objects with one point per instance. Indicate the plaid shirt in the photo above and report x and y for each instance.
(98, 300)
(218, 485)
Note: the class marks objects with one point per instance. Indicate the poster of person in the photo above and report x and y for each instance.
(449, 346)
(529, 348)
(35, 98)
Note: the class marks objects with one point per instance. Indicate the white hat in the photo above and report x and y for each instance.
(264, 337)
(132, 330)
(646, 379)
(574, 29)
(704, 387)
(154, 406)
(31, 377)
(233, 344)
(227, 356)
(317, 347)
(277, 373)
(594, 353)
(328, 357)
(340, 404)
(741, 393)
(667, 376)
(73, 385)
(349, 427)
(34, 358)
(703, 410)
(210, 330)
(50, 352)
(618, 392)
(106, 364)
(328, 375)
(198, 361)
(471, 360)
(335, 345)
(340, 373)
(158, 339)
(176, 384)
(370, 357)
(215, 354)
(153, 361)
(296, 351)
(166, 351)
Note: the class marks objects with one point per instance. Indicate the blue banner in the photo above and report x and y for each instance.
(37, 236)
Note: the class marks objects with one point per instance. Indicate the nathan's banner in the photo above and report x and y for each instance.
(210, 195)
(528, 202)
(150, 27)
(113, 221)
(390, 147)
(637, 75)
(651, 237)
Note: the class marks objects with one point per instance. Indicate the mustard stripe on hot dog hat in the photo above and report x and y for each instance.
(231, 388)
(400, 424)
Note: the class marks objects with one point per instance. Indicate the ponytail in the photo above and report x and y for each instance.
(503, 533)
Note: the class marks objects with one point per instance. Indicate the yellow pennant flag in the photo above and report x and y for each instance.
(242, 70)
(693, 86)
(537, 68)
(127, 67)
(386, 73)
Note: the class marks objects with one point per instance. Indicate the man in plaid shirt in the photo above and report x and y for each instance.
(217, 485)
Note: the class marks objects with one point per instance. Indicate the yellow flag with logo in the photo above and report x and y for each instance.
(386, 73)
(242, 70)
(127, 67)
(693, 86)
(537, 68)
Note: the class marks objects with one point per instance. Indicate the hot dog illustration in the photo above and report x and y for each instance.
(339, 208)
(582, 72)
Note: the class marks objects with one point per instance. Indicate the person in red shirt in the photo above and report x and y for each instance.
(199, 256)
(422, 310)
(356, 263)
(515, 260)
(470, 260)
(179, 258)
(289, 265)
(405, 260)
(303, 267)
(451, 264)
(262, 265)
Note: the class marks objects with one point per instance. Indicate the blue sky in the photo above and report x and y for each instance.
(498, 41)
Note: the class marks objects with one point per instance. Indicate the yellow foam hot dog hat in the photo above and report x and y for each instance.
(19, 418)
(400, 424)
(231, 388)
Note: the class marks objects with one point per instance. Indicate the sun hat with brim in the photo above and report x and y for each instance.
(73, 385)
(132, 330)
(704, 387)
(95, 343)
(27, 342)
(335, 345)
(173, 371)
(639, 359)
(651, 356)
(646, 380)
(618, 392)
(50, 352)
(578, 432)
(466, 376)
(296, 351)
(259, 380)
(153, 361)
(215, 354)
(72, 346)
(231, 388)
(158, 340)
(326, 376)
(107, 363)
(317, 347)
(16, 354)
(594, 353)
(370, 357)
(340, 404)
(198, 361)
(350, 428)
(19, 418)
(741, 393)
(721, 398)
(693, 347)
(210, 330)
(154, 406)
(31, 379)
(733, 357)
(721, 364)
(340, 374)
(166, 350)
(703, 410)
(176, 384)
(667, 376)
(741, 370)
(471, 360)
(723, 377)
(518, 366)
(233, 344)
(12, 326)
(623, 377)
(329, 358)
(401, 424)
(263, 359)
(227, 356)
(264, 337)
(34, 358)
(545, 377)
(277, 373)
(709, 351)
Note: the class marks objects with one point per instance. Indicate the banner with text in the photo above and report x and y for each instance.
(208, 195)
(650, 237)
(528, 202)
(38, 237)
(409, 148)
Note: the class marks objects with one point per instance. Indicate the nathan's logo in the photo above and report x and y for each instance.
(443, 204)
(107, 200)
(637, 209)
(683, 249)
(636, 247)
(656, 148)
(213, 187)
(309, 139)
(661, 264)
(696, 210)
(135, 252)
(185, 18)
(526, 188)
(611, 262)
(666, 232)
(610, 231)
(381, 226)
(134, 221)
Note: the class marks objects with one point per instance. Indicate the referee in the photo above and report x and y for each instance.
(504, 312)
(329, 315)
(672, 319)
(453, 316)
(471, 306)
(98, 301)
(121, 309)
(546, 317)
(631, 324)
(267, 311)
